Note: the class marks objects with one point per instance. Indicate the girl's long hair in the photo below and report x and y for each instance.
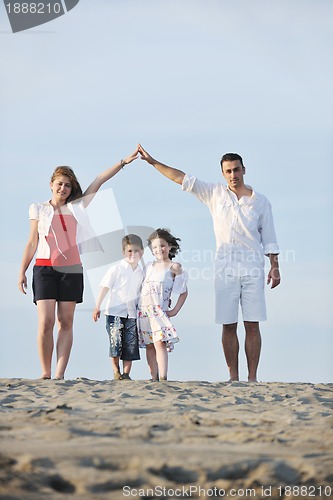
(168, 237)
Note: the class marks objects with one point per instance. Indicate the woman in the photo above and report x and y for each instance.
(59, 232)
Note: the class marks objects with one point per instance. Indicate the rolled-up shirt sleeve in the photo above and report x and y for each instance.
(267, 230)
(202, 190)
(188, 182)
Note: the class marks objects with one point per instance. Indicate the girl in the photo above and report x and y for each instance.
(156, 331)
(60, 229)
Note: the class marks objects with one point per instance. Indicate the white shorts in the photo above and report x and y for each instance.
(248, 291)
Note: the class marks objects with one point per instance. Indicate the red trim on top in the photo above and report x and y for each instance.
(43, 262)
(63, 223)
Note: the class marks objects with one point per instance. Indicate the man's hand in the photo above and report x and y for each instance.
(274, 277)
(145, 156)
(171, 173)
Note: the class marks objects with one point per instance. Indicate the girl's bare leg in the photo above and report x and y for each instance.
(65, 336)
(46, 319)
(162, 359)
(151, 360)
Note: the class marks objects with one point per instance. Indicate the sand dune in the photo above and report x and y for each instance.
(116, 439)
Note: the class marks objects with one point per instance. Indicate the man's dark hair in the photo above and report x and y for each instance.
(231, 157)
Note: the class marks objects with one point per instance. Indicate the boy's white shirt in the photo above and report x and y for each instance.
(124, 284)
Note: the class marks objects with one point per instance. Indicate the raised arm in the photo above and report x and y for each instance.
(90, 192)
(171, 173)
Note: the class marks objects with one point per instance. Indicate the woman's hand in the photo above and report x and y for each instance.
(22, 284)
(132, 157)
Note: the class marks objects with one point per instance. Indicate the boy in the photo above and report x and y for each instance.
(123, 281)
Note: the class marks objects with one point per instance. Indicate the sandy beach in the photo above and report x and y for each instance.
(128, 439)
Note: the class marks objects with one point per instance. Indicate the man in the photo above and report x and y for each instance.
(244, 232)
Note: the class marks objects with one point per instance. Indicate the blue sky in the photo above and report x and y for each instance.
(190, 80)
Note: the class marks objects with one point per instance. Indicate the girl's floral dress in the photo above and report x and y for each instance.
(153, 323)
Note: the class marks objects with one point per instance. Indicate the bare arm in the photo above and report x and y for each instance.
(90, 192)
(179, 304)
(176, 269)
(171, 173)
(101, 296)
(29, 252)
(274, 272)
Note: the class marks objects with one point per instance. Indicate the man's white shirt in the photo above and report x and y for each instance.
(244, 228)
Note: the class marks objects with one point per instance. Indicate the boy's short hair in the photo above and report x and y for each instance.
(132, 239)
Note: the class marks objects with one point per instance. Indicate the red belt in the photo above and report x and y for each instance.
(43, 262)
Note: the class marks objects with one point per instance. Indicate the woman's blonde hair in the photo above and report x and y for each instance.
(76, 191)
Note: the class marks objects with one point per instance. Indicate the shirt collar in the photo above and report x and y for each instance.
(243, 198)
(127, 265)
